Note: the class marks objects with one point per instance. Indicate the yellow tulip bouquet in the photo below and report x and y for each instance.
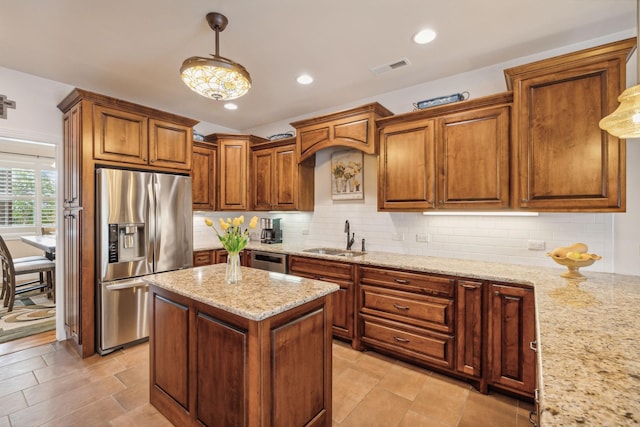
(233, 237)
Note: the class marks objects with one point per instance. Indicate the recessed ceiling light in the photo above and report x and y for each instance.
(304, 79)
(424, 36)
(230, 106)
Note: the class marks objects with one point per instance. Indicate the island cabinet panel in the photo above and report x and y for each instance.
(565, 161)
(343, 301)
(171, 349)
(511, 335)
(227, 373)
(298, 368)
(215, 368)
(469, 327)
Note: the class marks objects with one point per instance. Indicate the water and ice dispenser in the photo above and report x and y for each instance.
(126, 242)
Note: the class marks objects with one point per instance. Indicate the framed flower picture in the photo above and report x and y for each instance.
(347, 175)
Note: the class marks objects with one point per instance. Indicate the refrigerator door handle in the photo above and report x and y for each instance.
(127, 285)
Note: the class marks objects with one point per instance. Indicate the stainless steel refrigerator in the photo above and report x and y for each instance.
(144, 225)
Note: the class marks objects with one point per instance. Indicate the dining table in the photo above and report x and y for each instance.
(47, 243)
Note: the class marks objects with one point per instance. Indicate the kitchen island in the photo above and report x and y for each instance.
(256, 353)
(586, 332)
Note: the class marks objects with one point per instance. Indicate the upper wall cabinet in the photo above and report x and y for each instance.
(233, 169)
(204, 167)
(129, 134)
(564, 161)
(354, 128)
(278, 181)
(455, 156)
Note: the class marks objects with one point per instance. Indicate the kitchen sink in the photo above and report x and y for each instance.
(335, 252)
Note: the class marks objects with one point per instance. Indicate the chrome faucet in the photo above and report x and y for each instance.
(348, 231)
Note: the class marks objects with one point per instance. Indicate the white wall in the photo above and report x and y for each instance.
(616, 237)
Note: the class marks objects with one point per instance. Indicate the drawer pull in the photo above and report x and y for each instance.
(402, 281)
(470, 286)
(400, 307)
(404, 340)
(533, 345)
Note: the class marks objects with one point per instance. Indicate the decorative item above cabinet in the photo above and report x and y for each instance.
(354, 128)
(564, 161)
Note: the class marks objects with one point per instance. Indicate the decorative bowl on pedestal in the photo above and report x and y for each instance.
(574, 264)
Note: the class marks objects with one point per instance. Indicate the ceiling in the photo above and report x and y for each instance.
(133, 50)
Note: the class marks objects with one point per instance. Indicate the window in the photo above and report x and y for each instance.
(27, 192)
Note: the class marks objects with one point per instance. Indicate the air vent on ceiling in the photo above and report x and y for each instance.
(380, 69)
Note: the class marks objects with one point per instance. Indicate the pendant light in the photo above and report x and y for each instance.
(216, 77)
(624, 122)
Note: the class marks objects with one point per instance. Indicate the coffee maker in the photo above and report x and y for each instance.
(271, 232)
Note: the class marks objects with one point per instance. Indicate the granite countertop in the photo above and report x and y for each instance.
(260, 294)
(587, 333)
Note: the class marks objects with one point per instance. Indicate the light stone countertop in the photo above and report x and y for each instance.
(588, 332)
(259, 295)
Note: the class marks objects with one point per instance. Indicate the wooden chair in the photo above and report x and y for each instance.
(27, 265)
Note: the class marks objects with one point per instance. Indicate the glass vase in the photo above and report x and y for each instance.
(233, 273)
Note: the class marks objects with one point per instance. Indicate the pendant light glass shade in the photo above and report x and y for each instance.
(624, 122)
(216, 77)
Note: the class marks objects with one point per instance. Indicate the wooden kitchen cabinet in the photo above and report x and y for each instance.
(204, 257)
(131, 137)
(564, 161)
(339, 273)
(204, 169)
(278, 181)
(353, 128)
(102, 131)
(469, 328)
(408, 315)
(454, 156)
(511, 334)
(233, 169)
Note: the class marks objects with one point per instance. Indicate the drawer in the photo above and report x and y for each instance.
(320, 269)
(417, 343)
(420, 310)
(412, 282)
(202, 258)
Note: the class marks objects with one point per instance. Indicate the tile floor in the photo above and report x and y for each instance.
(49, 385)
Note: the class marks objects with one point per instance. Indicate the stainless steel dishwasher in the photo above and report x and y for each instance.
(269, 261)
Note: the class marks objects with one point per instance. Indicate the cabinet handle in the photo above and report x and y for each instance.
(401, 339)
(318, 277)
(472, 287)
(400, 307)
(511, 298)
(70, 215)
(525, 200)
(402, 281)
(533, 345)
(532, 418)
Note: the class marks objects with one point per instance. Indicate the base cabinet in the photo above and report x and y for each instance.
(339, 273)
(213, 368)
(511, 338)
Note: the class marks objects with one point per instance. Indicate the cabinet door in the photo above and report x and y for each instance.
(262, 170)
(234, 177)
(72, 131)
(72, 274)
(120, 136)
(169, 349)
(203, 178)
(169, 145)
(566, 162)
(406, 171)
(511, 331)
(285, 178)
(222, 393)
(473, 160)
(469, 320)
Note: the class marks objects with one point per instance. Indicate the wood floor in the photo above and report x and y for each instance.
(50, 385)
